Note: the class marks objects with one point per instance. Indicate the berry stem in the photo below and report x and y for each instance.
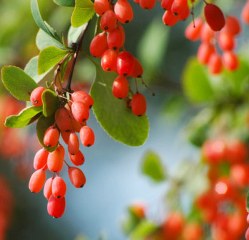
(77, 47)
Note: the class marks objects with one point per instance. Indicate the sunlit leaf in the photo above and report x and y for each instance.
(24, 118)
(143, 230)
(17, 82)
(82, 13)
(50, 102)
(66, 3)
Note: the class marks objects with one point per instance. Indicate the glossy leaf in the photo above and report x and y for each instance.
(49, 57)
(153, 167)
(66, 3)
(44, 40)
(17, 82)
(113, 114)
(82, 13)
(196, 84)
(50, 102)
(40, 22)
(42, 125)
(24, 118)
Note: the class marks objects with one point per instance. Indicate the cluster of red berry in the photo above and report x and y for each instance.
(109, 46)
(70, 119)
(223, 204)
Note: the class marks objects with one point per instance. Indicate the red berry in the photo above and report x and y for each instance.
(120, 87)
(108, 21)
(245, 13)
(40, 159)
(193, 30)
(56, 206)
(147, 4)
(98, 45)
(123, 11)
(47, 190)
(76, 177)
(180, 8)
(215, 63)
(205, 51)
(37, 181)
(138, 104)
(59, 187)
(230, 60)
(80, 111)
(51, 137)
(73, 143)
(169, 18)
(125, 63)
(166, 4)
(109, 60)
(63, 119)
(36, 96)
(101, 6)
(55, 160)
(214, 17)
(232, 25)
(87, 136)
(77, 159)
(116, 38)
(226, 41)
(82, 96)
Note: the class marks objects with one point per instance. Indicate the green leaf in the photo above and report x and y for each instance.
(151, 55)
(66, 3)
(49, 57)
(143, 230)
(44, 40)
(24, 118)
(42, 125)
(196, 83)
(113, 115)
(32, 69)
(153, 167)
(82, 12)
(50, 102)
(74, 33)
(17, 82)
(39, 21)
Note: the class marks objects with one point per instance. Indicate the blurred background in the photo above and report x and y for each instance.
(115, 179)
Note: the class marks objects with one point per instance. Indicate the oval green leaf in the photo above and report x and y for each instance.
(49, 57)
(113, 115)
(17, 82)
(82, 12)
(196, 84)
(24, 118)
(50, 102)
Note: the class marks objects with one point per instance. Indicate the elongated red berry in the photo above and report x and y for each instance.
(125, 63)
(59, 187)
(215, 63)
(169, 18)
(82, 96)
(226, 41)
(77, 177)
(116, 38)
(36, 96)
(137, 70)
(214, 17)
(47, 190)
(230, 60)
(138, 104)
(245, 13)
(80, 111)
(123, 11)
(51, 137)
(109, 60)
(120, 87)
(63, 119)
(37, 181)
(108, 21)
(56, 206)
(77, 159)
(232, 25)
(101, 6)
(180, 8)
(87, 136)
(98, 45)
(55, 160)
(205, 51)
(40, 159)
(73, 143)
